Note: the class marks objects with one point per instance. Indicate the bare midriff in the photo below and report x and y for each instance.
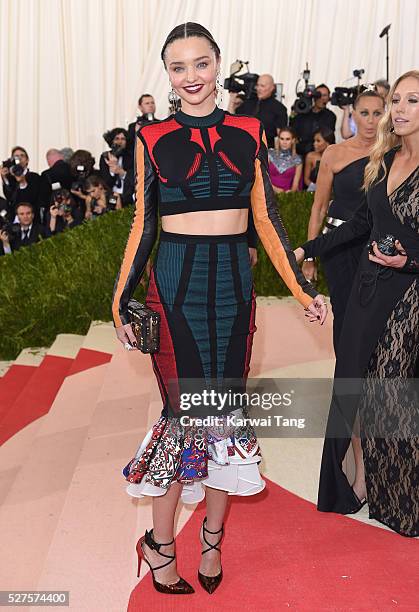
(207, 222)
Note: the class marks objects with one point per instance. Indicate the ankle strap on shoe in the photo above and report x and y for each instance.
(151, 543)
(208, 531)
(211, 546)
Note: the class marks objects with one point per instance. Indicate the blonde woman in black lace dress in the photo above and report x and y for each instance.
(380, 338)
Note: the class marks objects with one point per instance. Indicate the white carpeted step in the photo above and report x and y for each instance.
(13, 452)
(36, 496)
(100, 523)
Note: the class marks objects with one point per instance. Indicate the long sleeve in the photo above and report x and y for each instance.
(272, 232)
(354, 228)
(142, 235)
(252, 237)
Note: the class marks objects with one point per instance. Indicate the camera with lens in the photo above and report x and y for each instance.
(81, 175)
(345, 96)
(305, 99)
(14, 165)
(58, 196)
(386, 246)
(6, 226)
(242, 84)
(112, 202)
(117, 150)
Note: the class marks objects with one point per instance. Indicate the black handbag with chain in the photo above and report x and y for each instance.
(145, 324)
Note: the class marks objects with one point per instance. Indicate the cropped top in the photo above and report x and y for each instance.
(216, 162)
(347, 189)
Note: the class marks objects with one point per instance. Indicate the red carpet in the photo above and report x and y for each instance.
(88, 358)
(36, 398)
(280, 553)
(12, 383)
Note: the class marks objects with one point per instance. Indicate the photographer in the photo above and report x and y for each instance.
(306, 124)
(265, 107)
(58, 172)
(99, 198)
(63, 213)
(25, 232)
(82, 166)
(19, 183)
(116, 165)
(146, 112)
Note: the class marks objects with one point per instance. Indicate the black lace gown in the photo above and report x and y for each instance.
(378, 352)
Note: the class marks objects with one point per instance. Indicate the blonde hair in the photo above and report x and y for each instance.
(386, 139)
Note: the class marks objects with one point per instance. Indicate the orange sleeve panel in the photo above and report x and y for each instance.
(141, 237)
(272, 233)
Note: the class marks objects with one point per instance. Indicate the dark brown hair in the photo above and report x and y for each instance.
(187, 30)
(81, 157)
(369, 93)
(326, 133)
(141, 98)
(16, 148)
(95, 180)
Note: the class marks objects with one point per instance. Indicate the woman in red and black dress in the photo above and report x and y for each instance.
(203, 168)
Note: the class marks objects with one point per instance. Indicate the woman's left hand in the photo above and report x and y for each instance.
(394, 261)
(317, 310)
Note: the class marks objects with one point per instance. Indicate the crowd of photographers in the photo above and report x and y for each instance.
(72, 190)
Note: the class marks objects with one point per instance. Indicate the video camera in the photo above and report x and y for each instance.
(242, 84)
(343, 96)
(305, 99)
(13, 163)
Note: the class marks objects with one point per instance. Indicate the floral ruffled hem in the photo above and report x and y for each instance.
(196, 457)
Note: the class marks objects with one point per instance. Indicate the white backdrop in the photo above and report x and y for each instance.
(70, 69)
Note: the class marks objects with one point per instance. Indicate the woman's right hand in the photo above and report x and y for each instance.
(125, 335)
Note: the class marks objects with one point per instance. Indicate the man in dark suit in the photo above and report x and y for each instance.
(58, 172)
(306, 124)
(23, 233)
(146, 112)
(116, 166)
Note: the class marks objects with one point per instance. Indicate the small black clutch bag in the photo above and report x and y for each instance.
(145, 324)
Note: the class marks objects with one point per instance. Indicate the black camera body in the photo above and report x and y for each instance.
(9, 228)
(305, 100)
(242, 84)
(386, 246)
(80, 176)
(117, 150)
(13, 163)
(112, 202)
(343, 96)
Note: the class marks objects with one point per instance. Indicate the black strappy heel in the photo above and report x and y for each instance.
(210, 583)
(181, 587)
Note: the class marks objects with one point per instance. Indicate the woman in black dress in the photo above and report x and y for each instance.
(379, 343)
(341, 173)
(202, 169)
